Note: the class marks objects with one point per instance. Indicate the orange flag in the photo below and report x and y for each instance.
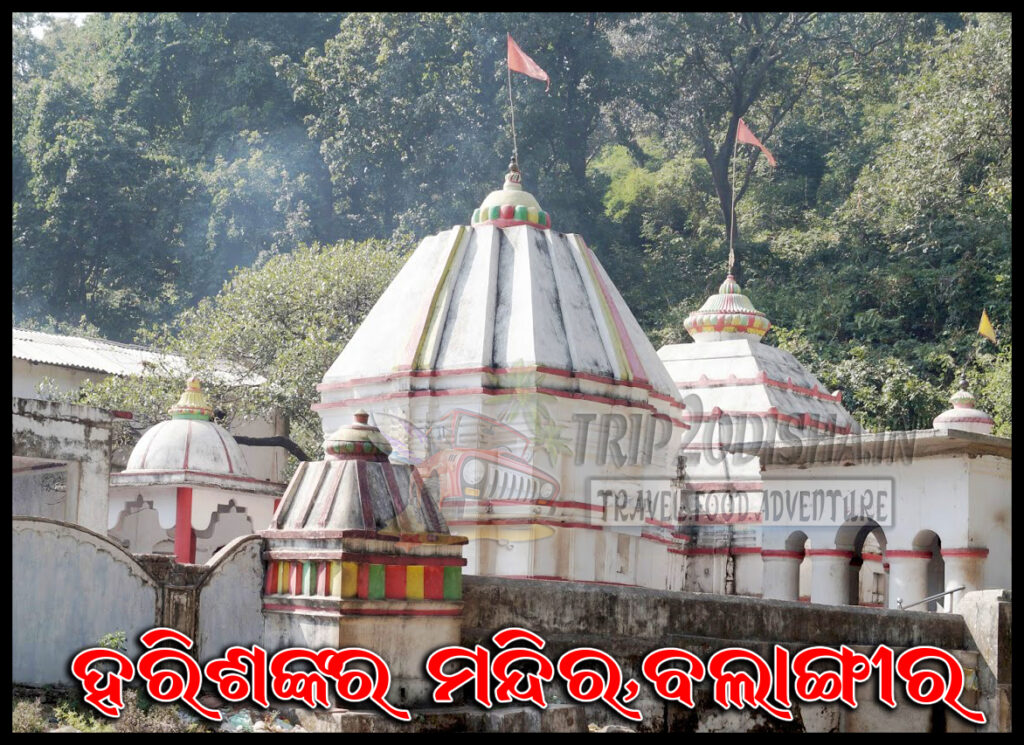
(744, 135)
(519, 62)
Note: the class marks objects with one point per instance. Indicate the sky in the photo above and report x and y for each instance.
(78, 18)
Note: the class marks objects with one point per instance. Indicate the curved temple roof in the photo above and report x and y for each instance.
(486, 298)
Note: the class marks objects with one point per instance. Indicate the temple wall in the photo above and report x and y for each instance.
(628, 623)
(71, 586)
(229, 611)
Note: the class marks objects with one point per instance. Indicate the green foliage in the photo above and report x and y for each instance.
(28, 716)
(115, 640)
(155, 153)
(263, 344)
(72, 713)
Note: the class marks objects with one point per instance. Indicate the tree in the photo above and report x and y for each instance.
(263, 343)
(411, 113)
(699, 73)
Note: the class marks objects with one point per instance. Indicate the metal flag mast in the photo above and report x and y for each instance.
(732, 209)
(512, 108)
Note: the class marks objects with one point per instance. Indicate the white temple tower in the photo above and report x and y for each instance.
(737, 389)
(503, 364)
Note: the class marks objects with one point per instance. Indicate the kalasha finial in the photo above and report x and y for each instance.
(193, 403)
(514, 177)
(362, 417)
(963, 380)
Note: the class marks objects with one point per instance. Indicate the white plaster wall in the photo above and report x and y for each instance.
(991, 518)
(69, 588)
(25, 376)
(230, 602)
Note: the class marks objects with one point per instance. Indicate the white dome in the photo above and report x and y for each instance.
(188, 445)
(492, 299)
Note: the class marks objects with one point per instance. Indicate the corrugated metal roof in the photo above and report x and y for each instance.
(109, 357)
(86, 354)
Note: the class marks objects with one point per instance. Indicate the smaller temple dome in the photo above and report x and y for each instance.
(189, 441)
(727, 315)
(358, 439)
(510, 205)
(964, 415)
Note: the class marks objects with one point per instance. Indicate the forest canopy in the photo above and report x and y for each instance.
(176, 171)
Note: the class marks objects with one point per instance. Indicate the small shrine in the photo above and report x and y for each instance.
(964, 416)
(187, 488)
(357, 555)
(738, 389)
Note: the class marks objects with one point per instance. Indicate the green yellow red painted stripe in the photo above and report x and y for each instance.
(350, 579)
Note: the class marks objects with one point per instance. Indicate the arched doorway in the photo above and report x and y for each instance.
(866, 580)
(928, 540)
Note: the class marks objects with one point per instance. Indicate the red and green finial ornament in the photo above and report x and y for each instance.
(193, 403)
(510, 205)
(360, 440)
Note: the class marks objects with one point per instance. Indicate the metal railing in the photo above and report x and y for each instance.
(936, 596)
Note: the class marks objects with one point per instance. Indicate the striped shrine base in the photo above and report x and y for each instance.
(364, 581)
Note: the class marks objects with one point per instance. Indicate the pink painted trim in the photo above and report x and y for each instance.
(188, 443)
(868, 556)
(225, 446)
(321, 534)
(230, 477)
(540, 369)
(775, 553)
(526, 502)
(502, 222)
(804, 422)
(902, 554)
(717, 550)
(974, 553)
(635, 367)
(332, 492)
(498, 392)
(359, 611)
(746, 550)
(726, 519)
(829, 552)
(659, 539)
(363, 558)
(518, 521)
(761, 379)
(712, 486)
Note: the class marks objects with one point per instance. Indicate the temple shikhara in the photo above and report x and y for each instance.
(504, 445)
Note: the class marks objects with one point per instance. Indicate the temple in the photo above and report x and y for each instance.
(503, 447)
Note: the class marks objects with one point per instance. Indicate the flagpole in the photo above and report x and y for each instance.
(732, 210)
(512, 108)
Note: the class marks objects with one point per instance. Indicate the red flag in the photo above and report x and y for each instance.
(519, 62)
(744, 135)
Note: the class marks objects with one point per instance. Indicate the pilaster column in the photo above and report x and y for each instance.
(830, 576)
(965, 567)
(908, 576)
(781, 574)
(184, 536)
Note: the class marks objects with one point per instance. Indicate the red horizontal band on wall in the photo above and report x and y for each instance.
(746, 550)
(975, 553)
(540, 370)
(363, 558)
(868, 556)
(519, 521)
(829, 552)
(362, 611)
(770, 553)
(903, 554)
(557, 393)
